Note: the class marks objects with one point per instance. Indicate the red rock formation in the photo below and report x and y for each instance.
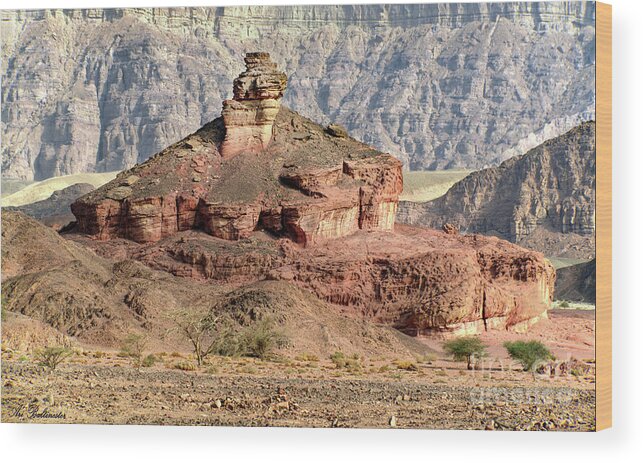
(314, 207)
(419, 280)
(309, 184)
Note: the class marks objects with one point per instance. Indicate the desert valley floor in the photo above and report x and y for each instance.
(304, 390)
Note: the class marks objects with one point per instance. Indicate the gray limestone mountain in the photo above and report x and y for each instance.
(437, 85)
(543, 200)
(576, 283)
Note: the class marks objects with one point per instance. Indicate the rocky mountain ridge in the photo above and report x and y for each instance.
(437, 85)
(544, 199)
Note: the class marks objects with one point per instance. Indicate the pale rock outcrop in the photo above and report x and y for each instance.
(249, 116)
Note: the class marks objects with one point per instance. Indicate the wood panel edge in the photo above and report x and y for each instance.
(603, 216)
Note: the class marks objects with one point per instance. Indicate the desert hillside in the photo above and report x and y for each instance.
(53, 282)
(577, 283)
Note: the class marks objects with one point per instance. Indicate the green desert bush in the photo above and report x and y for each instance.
(51, 357)
(133, 347)
(341, 360)
(530, 354)
(261, 338)
(467, 349)
(185, 366)
(149, 361)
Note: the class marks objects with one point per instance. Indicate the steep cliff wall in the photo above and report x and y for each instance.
(437, 85)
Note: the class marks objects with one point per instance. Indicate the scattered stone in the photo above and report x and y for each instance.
(450, 229)
(119, 193)
(130, 180)
(337, 130)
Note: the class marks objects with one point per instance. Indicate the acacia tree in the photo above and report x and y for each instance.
(466, 348)
(51, 357)
(200, 328)
(530, 354)
(133, 346)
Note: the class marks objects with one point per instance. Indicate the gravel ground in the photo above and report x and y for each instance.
(119, 394)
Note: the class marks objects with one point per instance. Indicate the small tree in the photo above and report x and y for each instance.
(466, 349)
(133, 346)
(530, 354)
(262, 337)
(200, 328)
(51, 357)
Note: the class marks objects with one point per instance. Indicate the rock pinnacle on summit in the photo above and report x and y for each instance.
(249, 116)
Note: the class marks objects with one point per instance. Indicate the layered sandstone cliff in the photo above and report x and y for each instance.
(437, 85)
(544, 199)
(419, 280)
(250, 170)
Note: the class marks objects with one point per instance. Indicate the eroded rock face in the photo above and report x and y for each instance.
(549, 191)
(425, 281)
(315, 208)
(249, 116)
(283, 174)
(421, 281)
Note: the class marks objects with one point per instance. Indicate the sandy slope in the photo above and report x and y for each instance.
(422, 186)
(43, 189)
